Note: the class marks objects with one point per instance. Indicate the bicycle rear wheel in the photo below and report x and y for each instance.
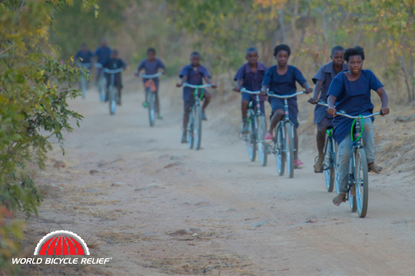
(111, 99)
(198, 127)
(251, 141)
(151, 105)
(289, 142)
(262, 147)
(280, 148)
(190, 127)
(361, 181)
(329, 164)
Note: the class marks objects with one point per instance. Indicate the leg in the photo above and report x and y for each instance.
(207, 98)
(186, 113)
(244, 110)
(342, 171)
(369, 143)
(276, 117)
(295, 144)
(321, 140)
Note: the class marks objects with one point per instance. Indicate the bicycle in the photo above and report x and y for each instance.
(151, 97)
(102, 83)
(284, 138)
(358, 169)
(83, 82)
(329, 162)
(113, 96)
(194, 126)
(255, 138)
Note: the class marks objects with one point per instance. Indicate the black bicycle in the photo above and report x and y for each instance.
(358, 182)
(255, 138)
(194, 126)
(284, 146)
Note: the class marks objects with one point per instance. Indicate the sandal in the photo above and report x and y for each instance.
(374, 168)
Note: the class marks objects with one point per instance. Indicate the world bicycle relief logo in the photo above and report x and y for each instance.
(52, 248)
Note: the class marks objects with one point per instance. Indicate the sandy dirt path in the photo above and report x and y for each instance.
(139, 196)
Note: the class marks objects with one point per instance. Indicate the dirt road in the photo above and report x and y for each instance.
(139, 196)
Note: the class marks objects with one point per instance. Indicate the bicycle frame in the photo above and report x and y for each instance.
(197, 87)
(258, 103)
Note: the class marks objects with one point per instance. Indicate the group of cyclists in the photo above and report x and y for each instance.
(342, 84)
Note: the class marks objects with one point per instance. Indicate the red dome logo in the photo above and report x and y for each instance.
(61, 242)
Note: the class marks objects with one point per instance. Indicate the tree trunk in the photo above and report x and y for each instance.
(408, 89)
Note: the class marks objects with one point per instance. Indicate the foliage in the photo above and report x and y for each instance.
(34, 90)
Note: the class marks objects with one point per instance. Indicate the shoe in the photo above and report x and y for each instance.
(184, 138)
(204, 118)
(145, 104)
(245, 128)
(159, 117)
(298, 164)
(268, 138)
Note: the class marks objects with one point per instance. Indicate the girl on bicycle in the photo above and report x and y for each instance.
(250, 76)
(281, 79)
(350, 92)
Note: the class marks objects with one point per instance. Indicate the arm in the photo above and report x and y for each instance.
(307, 87)
(238, 86)
(161, 65)
(266, 82)
(317, 90)
(330, 101)
(183, 80)
(384, 99)
(207, 80)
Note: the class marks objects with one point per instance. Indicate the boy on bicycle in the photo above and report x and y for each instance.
(250, 76)
(151, 66)
(194, 73)
(281, 79)
(115, 63)
(322, 79)
(350, 92)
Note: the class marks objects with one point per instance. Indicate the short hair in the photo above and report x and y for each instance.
(251, 49)
(355, 51)
(115, 51)
(337, 49)
(83, 44)
(151, 50)
(194, 54)
(282, 47)
(103, 40)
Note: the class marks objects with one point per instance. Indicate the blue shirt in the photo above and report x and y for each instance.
(353, 97)
(103, 54)
(83, 57)
(194, 77)
(251, 80)
(150, 68)
(326, 75)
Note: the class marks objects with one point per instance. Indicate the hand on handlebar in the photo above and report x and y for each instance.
(214, 85)
(331, 111)
(179, 84)
(136, 74)
(312, 101)
(384, 111)
(237, 89)
(309, 90)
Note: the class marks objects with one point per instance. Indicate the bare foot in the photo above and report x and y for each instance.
(374, 168)
(318, 166)
(339, 199)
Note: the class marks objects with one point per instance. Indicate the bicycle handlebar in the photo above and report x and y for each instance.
(196, 86)
(150, 76)
(115, 71)
(250, 92)
(344, 114)
(272, 94)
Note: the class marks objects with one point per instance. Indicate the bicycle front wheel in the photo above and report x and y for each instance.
(329, 164)
(280, 148)
(111, 99)
(251, 142)
(151, 105)
(198, 127)
(289, 142)
(262, 147)
(190, 127)
(361, 181)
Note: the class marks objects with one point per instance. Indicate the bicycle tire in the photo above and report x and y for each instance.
(83, 84)
(251, 143)
(329, 160)
(262, 147)
(289, 153)
(101, 88)
(151, 108)
(190, 125)
(198, 128)
(111, 99)
(361, 181)
(280, 149)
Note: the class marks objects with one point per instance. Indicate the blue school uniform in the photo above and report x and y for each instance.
(252, 81)
(103, 54)
(151, 68)
(194, 77)
(284, 85)
(326, 75)
(83, 57)
(353, 97)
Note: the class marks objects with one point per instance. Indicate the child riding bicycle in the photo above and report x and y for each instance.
(115, 63)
